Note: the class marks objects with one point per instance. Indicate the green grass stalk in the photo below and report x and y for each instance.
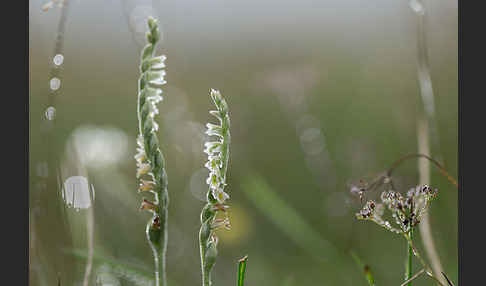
(422, 261)
(242, 270)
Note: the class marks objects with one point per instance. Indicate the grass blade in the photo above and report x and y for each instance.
(288, 220)
(366, 269)
(242, 270)
(447, 278)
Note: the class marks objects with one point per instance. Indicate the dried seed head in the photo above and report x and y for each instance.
(406, 211)
(218, 223)
(143, 169)
(156, 222)
(146, 186)
(368, 211)
(219, 207)
(148, 205)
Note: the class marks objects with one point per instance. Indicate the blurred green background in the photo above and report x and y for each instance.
(321, 93)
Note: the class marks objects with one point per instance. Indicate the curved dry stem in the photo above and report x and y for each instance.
(418, 155)
(424, 177)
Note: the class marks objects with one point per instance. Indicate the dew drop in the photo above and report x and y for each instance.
(55, 83)
(77, 193)
(417, 7)
(58, 59)
(47, 6)
(50, 113)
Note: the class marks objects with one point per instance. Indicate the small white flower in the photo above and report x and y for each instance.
(212, 147)
(143, 169)
(155, 98)
(140, 141)
(213, 180)
(216, 96)
(213, 164)
(216, 114)
(146, 185)
(157, 63)
(214, 130)
(220, 195)
(158, 82)
(155, 127)
(140, 156)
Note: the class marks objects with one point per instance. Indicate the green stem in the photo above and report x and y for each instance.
(410, 256)
(417, 254)
(241, 270)
(204, 237)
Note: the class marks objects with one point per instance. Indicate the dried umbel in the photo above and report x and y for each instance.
(218, 157)
(407, 211)
(149, 158)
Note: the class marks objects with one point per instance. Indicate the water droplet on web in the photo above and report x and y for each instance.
(58, 59)
(47, 6)
(55, 83)
(77, 192)
(50, 113)
(417, 7)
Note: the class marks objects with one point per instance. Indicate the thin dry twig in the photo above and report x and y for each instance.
(418, 155)
(413, 277)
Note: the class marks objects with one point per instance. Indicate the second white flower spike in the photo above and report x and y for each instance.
(218, 151)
